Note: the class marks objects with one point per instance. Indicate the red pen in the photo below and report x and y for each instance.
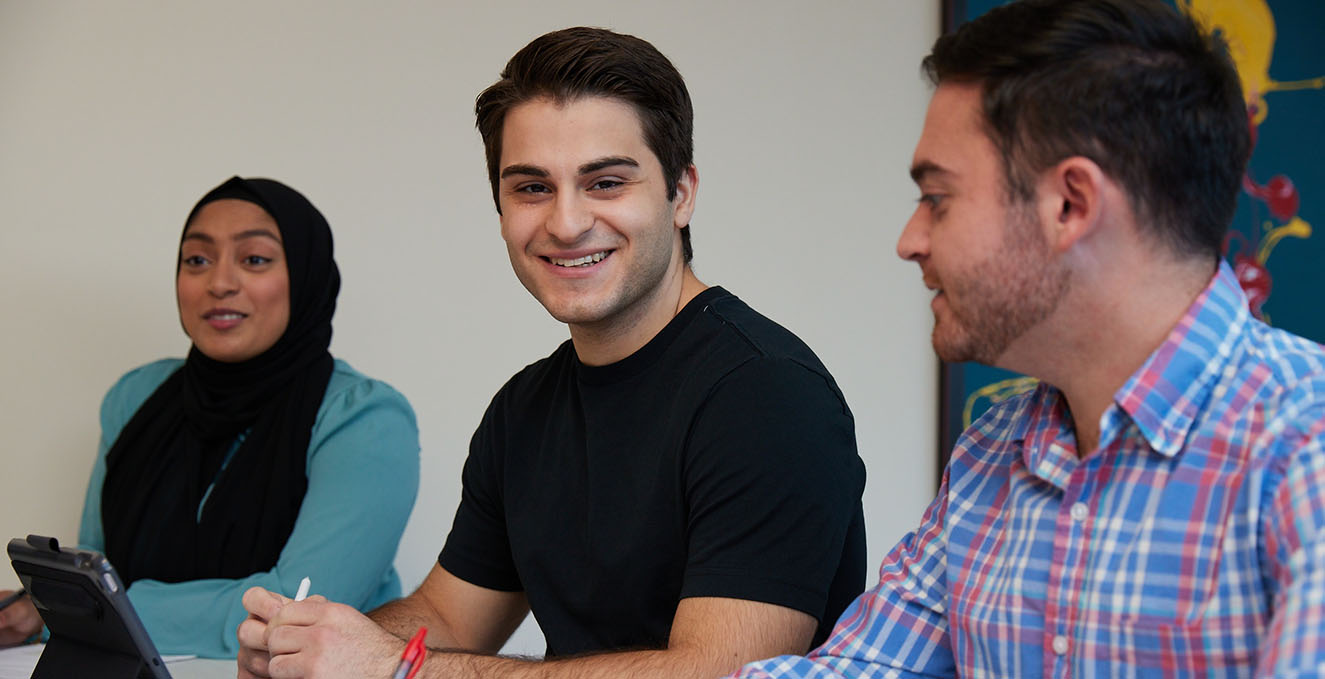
(412, 659)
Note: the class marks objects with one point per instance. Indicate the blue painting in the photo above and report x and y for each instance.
(1278, 48)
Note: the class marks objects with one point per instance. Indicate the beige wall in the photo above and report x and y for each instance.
(116, 116)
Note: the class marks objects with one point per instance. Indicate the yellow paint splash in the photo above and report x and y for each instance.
(996, 392)
(1248, 27)
(1296, 227)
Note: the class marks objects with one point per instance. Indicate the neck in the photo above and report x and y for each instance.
(613, 339)
(1113, 319)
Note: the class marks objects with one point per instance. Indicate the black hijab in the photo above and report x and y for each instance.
(172, 450)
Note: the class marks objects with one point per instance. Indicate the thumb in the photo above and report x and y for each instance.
(263, 603)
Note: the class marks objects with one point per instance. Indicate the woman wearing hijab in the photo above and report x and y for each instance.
(257, 460)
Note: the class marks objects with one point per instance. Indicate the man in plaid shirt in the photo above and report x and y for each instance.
(1156, 506)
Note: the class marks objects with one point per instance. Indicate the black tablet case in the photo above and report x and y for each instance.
(94, 629)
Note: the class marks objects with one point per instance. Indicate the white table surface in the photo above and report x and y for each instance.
(18, 662)
(203, 668)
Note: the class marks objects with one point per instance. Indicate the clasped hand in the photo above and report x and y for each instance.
(18, 622)
(311, 639)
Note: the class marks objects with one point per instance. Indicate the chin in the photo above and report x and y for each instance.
(225, 354)
(574, 308)
(952, 349)
(574, 315)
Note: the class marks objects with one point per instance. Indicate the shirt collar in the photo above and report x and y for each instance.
(1044, 431)
(1165, 396)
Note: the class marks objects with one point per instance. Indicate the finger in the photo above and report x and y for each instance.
(253, 664)
(252, 633)
(287, 667)
(286, 639)
(263, 603)
(307, 612)
(18, 622)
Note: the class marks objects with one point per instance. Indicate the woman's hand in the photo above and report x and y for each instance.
(19, 621)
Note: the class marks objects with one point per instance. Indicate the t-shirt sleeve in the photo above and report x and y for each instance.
(478, 548)
(773, 484)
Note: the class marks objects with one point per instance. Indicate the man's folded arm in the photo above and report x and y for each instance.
(458, 614)
(710, 636)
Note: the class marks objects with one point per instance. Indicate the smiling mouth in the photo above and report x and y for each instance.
(587, 260)
(225, 316)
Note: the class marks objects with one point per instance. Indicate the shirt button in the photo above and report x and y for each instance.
(1080, 511)
(1060, 645)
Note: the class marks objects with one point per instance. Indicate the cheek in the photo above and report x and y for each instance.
(186, 291)
(186, 303)
(273, 295)
(517, 225)
(645, 224)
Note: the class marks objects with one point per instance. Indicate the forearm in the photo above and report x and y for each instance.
(403, 617)
(710, 637)
(662, 664)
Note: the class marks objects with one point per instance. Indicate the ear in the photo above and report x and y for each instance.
(1070, 200)
(683, 204)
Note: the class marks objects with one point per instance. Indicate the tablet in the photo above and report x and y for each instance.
(94, 629)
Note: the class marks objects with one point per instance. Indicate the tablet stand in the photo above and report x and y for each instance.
(63, 658)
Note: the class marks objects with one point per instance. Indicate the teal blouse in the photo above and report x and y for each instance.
(363, 475)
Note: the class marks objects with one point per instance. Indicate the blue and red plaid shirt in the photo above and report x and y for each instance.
(1190, 544)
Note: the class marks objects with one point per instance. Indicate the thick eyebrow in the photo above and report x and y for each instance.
(587, 168)
(250, 233)
(604, 163)
(530, 170)
(925, 169)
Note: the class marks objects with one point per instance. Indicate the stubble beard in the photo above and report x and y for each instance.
(616, 310)
(1003, 296)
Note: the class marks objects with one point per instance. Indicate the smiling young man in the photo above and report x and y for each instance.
(674, 491)
(1156, 505)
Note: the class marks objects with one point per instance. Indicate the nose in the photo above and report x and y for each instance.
(913, 244)
(223, 279)
(571, 218)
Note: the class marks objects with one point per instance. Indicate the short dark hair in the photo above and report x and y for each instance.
(579, 62)
(1133, 85)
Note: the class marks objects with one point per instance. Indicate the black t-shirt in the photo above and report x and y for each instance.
(719, 460)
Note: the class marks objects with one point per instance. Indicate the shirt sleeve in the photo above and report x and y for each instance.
(898, 629)
(1293, 526)
(477, 550)
(363, 470)
(773, 484)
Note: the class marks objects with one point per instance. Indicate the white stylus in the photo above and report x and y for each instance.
(303, 589)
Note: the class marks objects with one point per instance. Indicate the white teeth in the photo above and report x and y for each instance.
(226, 317)
(580, 261)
